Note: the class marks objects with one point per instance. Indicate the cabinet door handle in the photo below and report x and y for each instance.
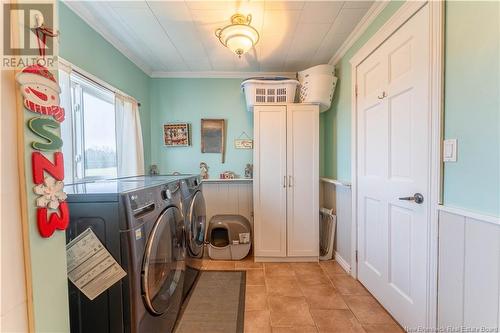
(284, 181)
(289, 181)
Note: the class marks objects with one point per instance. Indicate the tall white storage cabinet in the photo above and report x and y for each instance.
(286, 182)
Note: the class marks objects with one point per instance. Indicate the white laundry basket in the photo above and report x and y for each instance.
(317, 85)
(265, 91)
(327, 225)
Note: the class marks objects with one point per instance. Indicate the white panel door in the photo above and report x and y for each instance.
(393, 162)
(269, 185)
(303, 180)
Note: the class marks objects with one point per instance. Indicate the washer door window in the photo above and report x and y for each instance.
(197, 221)
(162, 265)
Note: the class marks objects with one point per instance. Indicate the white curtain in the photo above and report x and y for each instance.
(64, 74)
(130, 150)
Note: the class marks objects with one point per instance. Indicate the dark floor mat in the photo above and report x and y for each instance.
(215, 305)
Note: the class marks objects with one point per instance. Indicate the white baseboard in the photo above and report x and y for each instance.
(343, 263)
(285, 259)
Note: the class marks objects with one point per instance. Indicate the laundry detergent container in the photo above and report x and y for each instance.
(228, 237)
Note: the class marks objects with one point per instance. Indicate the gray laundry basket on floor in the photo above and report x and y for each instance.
(229, 237)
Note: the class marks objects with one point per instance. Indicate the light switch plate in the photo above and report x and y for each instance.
(450, 150)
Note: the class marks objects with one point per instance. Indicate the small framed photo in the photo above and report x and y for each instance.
(176, 135)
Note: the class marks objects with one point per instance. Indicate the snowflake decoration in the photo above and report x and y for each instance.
(51, 193)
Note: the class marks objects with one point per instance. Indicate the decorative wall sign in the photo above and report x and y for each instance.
(176, 135)
(244, 141)
(243, 144)
(40, 93)
(213, 136)
(38, 126)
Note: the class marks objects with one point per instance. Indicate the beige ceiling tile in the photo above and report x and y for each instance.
(221, 65)
(247, 63)
(320, 11)
(295, 65)
(208, 5)
(200, 64)
(307, 40)
(284, 5)
(180, 36)
(347, 20)
(274, 47)
(276, 21)
(358, 4)
(256, 8)
(328, 49)
(185, 37)
(150, 33)
(127, 4)
(219, 17)
(170, 11)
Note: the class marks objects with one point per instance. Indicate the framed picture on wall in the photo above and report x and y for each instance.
(176, 135)
(213, 136)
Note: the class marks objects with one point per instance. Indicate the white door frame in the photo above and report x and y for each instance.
(436, 40)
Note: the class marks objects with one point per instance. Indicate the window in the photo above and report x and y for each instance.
(93, 131)
(102, 129)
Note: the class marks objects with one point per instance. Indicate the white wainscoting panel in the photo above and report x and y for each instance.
(233, 197)
(338, 197)
(469, 272)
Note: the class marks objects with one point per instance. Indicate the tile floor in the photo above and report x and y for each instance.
(306, 297)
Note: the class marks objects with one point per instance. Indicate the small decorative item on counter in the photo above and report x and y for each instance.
(249, 171)
(203, 170)
(153, 170)
(227, 175)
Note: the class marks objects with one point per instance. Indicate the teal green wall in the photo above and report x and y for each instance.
(85, 48)
(190, 100)
(337, 120)
(472, 106)
(471, 111)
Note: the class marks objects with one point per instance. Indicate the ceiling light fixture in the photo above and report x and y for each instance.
(239, 36)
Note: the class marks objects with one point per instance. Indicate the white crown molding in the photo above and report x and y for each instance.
(370, 16)
(221, 75)
(83, 13)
